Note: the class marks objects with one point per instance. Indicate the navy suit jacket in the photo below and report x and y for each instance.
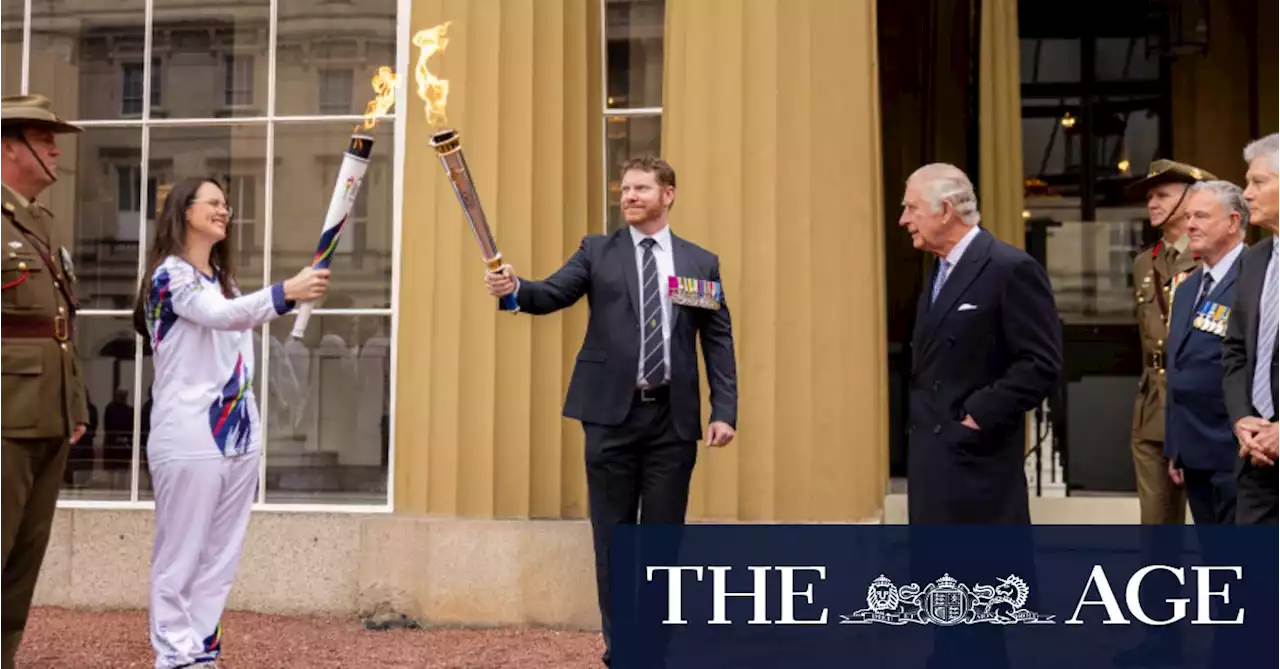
(1197, 428)
(603, 384)
(989, 347)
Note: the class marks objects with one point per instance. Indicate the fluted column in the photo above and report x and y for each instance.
(771, 121)
(1000, 119)
(478, 427)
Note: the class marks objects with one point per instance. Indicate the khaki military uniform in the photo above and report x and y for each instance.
(1156, 272)
(43, 389)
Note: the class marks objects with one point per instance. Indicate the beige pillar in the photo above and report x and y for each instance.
(771, 121)
(1000, 122)
(478, 427)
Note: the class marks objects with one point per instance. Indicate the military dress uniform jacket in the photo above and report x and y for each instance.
(43, 387)
(1154, 270)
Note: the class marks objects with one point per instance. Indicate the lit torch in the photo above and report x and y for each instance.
(350, 177)
(448, 145)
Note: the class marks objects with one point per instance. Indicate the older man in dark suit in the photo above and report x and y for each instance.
(1198, 442)
(1249, 351)
(987, 348)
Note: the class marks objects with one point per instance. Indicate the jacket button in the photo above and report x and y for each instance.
(937, 385)
(64, 347)
(937, 429)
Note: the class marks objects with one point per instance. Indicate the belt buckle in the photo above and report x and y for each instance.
(60, 331)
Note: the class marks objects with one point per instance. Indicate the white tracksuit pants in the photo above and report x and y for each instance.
(202, 513)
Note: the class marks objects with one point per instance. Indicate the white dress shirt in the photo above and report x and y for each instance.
(662, 255)
(957, 251)
(1219, 271)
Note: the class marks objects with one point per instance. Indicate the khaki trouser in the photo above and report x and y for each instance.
(1161, 502)
(31, 477)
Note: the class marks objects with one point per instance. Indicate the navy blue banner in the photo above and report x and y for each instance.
(899, 597)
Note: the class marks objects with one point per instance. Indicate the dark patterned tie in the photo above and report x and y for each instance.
(655, 366)
(1205, 289)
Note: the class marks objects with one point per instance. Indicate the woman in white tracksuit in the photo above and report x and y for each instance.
(205, 440)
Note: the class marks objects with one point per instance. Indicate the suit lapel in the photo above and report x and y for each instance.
(919, 335)
(1228, 280)
(624, 253)
(1180, 319)
(970, 266)
(682, 261)
(1255, 282)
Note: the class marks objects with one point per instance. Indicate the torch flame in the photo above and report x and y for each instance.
(384, 87)
(433, 90)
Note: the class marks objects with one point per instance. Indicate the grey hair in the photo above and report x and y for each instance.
(1268, 147)
(944, 182)
(1229, 196)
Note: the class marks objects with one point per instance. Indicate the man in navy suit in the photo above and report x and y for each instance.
(986, 349)
(1199, 443)
(635, 385)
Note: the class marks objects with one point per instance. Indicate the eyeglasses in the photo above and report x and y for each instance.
(219, 205)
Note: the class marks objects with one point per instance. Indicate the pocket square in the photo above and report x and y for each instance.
(967, 307)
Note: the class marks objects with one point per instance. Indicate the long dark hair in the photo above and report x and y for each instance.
(170, 238)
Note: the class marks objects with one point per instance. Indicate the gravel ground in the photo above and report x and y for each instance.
(118, 639)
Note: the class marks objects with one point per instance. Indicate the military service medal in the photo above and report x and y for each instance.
(694, 292)
(1212, 318)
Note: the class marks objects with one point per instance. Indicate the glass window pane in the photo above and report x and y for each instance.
(1045, 61)
(214, 56)
(236, 157)
(100, 465)
(11, 45)
(626, 137)
(80, 54)
(328, 418)
(1128, 137)
(327, 54)
(1126, 59)
(308, 157)
(634, 29)
(96, 204)
(1090, 262)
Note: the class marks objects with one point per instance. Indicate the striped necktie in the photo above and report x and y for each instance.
(944, 268)
(1267, 326)
(655, 364)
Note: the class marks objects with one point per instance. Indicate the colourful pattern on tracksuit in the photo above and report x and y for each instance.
(203, 451)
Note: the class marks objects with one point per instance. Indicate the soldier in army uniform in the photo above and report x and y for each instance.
(44, 408)
(1156, 270)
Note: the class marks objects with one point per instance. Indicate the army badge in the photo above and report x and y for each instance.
(68, 267)
(1212, 318)
(695, 292)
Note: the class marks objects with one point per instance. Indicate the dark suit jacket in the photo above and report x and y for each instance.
(994, 361)
(603, 384)
(1239, 349)
(1197, 432)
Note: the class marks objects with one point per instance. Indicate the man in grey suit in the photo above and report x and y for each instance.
(1249, 351)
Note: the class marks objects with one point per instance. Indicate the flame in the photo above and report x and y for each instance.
(384, 87)
(433, 90)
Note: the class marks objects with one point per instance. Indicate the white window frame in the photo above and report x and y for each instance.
(625, 112)
(145, 122)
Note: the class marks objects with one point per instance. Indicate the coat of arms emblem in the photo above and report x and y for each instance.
(946, 602)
